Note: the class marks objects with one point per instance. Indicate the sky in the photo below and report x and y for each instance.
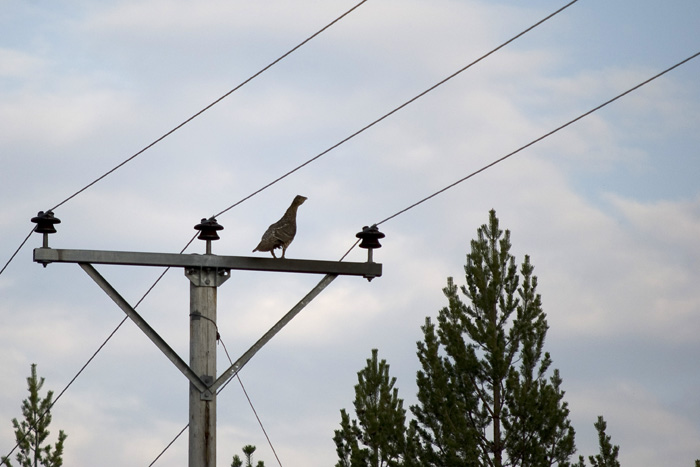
(608, 208)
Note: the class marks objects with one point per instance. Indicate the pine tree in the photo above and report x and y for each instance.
(608, 453)
(248, 451)
(378, 437)
(33, 431)
(607, 456)
(447, 437)
(484, 395)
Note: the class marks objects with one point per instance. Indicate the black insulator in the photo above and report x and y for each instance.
(370, 237)
(45, 222)
(208, 228)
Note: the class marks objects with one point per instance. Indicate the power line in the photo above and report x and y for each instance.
(92, 357)
(258, 418)
(282, 57)
(262, 427)
(48, 409)
(161, 138)
(17, 251)
(342, 142)
(335, 145)
(323, 153)
(410, 101)
(138, 153)
(537, 140)
(442, 190)
(284, 175)
(169, 444)
(255, 412)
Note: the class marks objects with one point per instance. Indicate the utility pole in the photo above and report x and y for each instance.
(206, 273)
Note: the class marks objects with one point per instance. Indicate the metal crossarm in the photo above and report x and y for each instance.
(51, 255)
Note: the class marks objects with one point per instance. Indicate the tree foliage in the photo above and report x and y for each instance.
(608, 453)
(487, 393)
(31, 433)
(607, 456)
(486, 396)
(377, 438)
(248, 451)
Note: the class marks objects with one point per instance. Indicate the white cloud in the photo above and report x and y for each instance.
(15, 64)
(614, 268)
(672, 224)
(652, 435)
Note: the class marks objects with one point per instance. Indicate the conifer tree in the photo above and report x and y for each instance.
(485, 394)
(32, 432)
(607, 456)
(377, 438)
(248, 451)
(608, 453)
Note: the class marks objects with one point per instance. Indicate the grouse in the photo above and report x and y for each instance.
(281, 233)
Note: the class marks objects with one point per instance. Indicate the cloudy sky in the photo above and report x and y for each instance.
(608, 208)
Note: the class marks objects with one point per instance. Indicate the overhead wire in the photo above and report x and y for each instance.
(482, 169)
(537, 140)
(326, 151)
(250, 402)
(220, 340)
(363, 129)
(497, 161)
(372, 124)
(255, 412)
(273, 63)
(461, 180)
(129, 159)
(92, 357)
(21, 245)
(396, 109)
(58, 397)
(525, 146)
(188, 120)
(169, 444)
(368, 126)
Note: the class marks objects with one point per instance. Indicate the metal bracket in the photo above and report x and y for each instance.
(208, 394)
(207, 277)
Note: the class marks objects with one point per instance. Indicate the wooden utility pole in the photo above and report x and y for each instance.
(203, 335)
(205, 273)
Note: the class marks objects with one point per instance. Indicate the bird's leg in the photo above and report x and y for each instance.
(273, 253)
(284, 249)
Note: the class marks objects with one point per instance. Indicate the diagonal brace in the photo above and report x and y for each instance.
(145, 327)
(240, 363)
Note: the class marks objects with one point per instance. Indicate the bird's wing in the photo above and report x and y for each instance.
(284, 231)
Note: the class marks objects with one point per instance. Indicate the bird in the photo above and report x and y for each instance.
(281, 233)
